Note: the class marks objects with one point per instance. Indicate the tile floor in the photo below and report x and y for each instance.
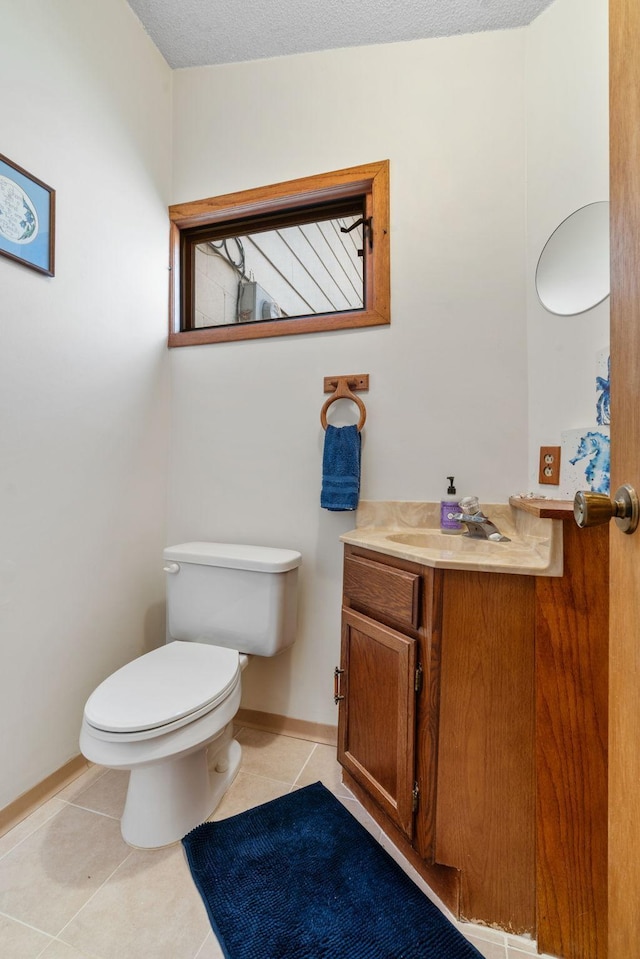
(70, 887)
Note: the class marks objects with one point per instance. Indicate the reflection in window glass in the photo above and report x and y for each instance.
(293, 271)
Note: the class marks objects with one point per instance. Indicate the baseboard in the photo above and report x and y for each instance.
(284, 725)
(25, 804)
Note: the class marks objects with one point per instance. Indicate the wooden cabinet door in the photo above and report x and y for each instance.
(376, 721)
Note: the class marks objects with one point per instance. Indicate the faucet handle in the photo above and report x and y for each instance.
(470, 505)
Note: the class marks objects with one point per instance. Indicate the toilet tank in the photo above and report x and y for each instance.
(241, 597)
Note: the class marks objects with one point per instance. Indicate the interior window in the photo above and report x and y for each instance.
(297, 257)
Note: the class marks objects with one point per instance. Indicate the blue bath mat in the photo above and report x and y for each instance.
(300, 878)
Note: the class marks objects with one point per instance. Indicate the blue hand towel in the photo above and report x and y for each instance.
(340, 468)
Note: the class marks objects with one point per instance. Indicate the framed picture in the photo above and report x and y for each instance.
(27, 218)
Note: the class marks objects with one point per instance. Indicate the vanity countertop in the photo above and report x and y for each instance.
(410, 530)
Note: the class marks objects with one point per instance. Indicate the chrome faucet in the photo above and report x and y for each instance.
(478, 525)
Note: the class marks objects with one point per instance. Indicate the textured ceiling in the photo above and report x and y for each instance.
(191, 33)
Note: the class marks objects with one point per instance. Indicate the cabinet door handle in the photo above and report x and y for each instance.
(337, 673)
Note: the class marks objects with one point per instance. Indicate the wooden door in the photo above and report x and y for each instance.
(376, 721)
(624, 656)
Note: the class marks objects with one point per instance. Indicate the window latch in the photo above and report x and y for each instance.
(367, 230)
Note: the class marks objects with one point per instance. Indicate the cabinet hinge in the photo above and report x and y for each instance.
(415, 795)
(417, 685)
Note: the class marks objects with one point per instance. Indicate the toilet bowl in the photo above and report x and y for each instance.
(167, 717)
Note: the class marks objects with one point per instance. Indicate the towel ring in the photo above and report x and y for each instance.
(344, 393)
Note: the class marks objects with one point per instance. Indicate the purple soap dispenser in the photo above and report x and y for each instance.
(449, 506)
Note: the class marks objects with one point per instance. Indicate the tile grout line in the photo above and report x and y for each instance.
(266, 779)
(96, 812)
(85, 954)
(202, 944)
(304, 766)
(91, 897)
(33, 831)
(28, 925)
(51, 799)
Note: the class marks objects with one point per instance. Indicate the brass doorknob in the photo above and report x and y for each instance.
(594, 509)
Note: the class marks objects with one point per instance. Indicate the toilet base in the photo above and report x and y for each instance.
(166, 800)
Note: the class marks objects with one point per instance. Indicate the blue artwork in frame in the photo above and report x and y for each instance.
(27, 218)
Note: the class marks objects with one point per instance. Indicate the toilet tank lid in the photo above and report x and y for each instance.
(268, 559)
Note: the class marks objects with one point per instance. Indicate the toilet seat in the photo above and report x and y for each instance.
(162, 690)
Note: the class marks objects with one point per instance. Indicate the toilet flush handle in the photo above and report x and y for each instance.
(171, 568)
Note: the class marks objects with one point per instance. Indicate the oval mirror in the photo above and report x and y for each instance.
(572, 275)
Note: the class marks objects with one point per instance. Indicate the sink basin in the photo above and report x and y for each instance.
(433, 539)
(426, 540)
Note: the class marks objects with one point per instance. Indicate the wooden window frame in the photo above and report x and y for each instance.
(188, 220)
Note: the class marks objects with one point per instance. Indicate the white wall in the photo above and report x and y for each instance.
(567, 167)
(448, 391)
(83, 372)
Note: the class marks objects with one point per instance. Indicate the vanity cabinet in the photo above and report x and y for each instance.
(435, 725)
(472, 725)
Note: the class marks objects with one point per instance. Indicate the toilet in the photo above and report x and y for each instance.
(168, 715)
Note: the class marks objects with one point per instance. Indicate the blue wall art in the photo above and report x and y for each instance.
(603, 366)
(585, 461)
